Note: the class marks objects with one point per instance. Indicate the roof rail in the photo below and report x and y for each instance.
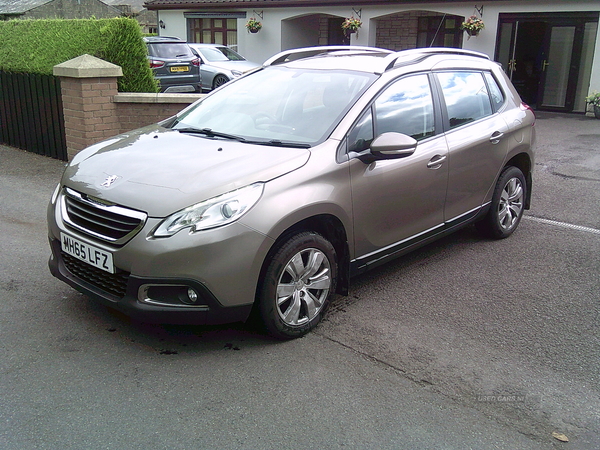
(424, 53)
(299, 53)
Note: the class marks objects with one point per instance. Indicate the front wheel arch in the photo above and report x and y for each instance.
(299, 279)
(219, 81)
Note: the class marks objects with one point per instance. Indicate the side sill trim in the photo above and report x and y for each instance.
(376, 258)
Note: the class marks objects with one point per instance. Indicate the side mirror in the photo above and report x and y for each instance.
(390, 146)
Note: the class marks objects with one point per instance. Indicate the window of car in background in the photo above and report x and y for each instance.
(214, 54)
(466, 97)
(170, 50)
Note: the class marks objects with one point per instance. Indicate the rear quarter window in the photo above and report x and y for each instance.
(496, 94)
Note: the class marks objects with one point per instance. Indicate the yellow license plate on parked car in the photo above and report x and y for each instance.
(180, 69)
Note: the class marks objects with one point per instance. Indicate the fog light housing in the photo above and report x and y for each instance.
(192, 297)
(170, 295)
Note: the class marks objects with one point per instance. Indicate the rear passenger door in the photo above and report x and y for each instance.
(476, 136)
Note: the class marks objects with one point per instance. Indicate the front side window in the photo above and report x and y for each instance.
(466, 96)
(406, 107)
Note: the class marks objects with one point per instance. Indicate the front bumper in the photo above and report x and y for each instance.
(123, 292)
(153, 276)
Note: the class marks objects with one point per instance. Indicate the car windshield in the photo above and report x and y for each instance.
(214, 54)
(279, 104)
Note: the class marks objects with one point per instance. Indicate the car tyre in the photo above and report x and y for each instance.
(298, 283)
(508, 204)
(219, 80)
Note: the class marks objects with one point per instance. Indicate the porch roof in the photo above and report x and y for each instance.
(227, 4)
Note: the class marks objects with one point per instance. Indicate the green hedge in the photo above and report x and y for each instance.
(36, 46)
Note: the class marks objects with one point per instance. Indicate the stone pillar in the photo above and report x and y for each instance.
(88, 85)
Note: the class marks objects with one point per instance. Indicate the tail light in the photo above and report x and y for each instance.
(525, 107)
(156, 63)
(196, 62)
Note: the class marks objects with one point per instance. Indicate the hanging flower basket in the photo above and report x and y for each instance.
(351, 25)
(473, 25)
(253, 25)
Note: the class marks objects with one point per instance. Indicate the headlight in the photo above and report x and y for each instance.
(212, 213)
(55, 194)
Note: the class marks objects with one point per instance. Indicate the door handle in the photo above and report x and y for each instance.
(544, 65)
(436, 162)
(495, 138)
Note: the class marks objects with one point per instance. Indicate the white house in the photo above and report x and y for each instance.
(551, 49)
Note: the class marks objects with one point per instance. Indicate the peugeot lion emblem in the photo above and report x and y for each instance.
(109, 180)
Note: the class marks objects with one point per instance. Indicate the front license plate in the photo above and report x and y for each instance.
(87, 253)
(180, 69)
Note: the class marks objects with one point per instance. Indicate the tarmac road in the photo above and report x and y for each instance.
(466, 343)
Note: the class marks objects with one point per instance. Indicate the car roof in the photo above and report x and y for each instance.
(368, 59)
(161, 39)
(196, 44)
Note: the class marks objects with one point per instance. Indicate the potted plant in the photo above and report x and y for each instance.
(253, 25)
(351, 25)
(473, 25)
(594, 100)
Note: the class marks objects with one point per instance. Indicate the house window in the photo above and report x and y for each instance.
(440, 31)
(213, 31)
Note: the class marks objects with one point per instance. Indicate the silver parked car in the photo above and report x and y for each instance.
(220, 64)
(265, 197)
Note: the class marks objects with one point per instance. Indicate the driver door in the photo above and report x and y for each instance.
(398, 199)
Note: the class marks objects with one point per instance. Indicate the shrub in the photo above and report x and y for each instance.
(36, 46)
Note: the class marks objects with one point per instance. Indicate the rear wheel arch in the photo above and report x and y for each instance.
(522, 161)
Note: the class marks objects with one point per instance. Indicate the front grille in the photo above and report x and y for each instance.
(109, 222)
(113, 283)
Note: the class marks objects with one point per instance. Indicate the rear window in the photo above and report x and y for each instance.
(466, 96)
(170, 50)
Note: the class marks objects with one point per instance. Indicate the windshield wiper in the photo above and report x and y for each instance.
(210, 133)
(273, 142)
(278, 143)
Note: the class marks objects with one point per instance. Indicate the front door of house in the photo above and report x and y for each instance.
(547, 57)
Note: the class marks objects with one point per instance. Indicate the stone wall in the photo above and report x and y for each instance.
(138, 110)
(400, 31)
(94, 110)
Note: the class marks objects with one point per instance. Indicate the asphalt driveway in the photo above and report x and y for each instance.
(465, 343)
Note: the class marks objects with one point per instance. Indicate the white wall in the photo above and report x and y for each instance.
(277, 35)
(175, 24)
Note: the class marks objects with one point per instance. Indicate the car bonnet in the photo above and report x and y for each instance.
(161, 171)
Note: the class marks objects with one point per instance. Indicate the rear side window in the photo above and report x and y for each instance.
(466, 96)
